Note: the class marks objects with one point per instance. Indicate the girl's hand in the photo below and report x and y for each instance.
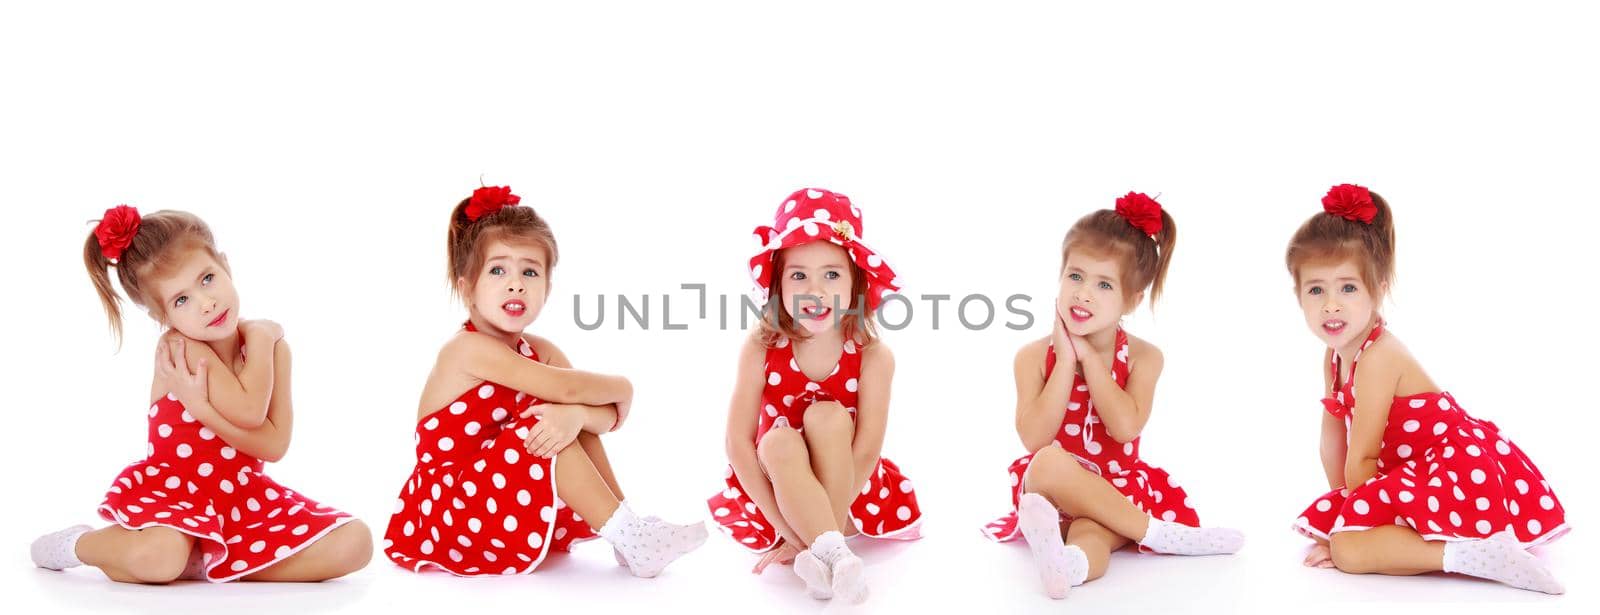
(172, 367)
(558, 426)
(1080, 347)
(1066, 354)
(782, 554)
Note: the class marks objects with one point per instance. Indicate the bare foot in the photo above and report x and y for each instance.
(1319, 556)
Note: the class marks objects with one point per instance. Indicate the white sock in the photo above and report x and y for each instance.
(848, 571)
(58, 550)
(1500, 558)
(818, 578)
(623, 561)
(1178, 539)
(648, 545)
(1061, 566)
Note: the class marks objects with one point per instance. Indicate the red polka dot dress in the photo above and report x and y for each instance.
(194, 482)
(1148, 487)
(887, 507)
(1441, 472)
(478, 503)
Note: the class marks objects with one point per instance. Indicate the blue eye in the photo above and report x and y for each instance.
(1075, 277)
(832, 275)
(1105, 285)
(1349, 288)
(530, 273)
(797, 276)
(180, 301)
(206, 281)
(1315, 290)
(497, 270)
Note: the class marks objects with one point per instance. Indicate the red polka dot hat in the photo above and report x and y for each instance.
(814, 214)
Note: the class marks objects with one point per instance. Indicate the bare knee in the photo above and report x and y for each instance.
(828, 419)
(159, 556)
(1050, 467)
(781, 445)
(1348, 556)
(353, 549)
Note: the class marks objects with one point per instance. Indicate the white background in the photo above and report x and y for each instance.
(326, 146)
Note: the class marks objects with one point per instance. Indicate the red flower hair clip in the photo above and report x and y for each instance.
(1141, 211)
(490, 199)
(1350, 202)
(115, 231)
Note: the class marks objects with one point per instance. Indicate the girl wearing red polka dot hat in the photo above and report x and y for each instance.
(811, 404)
(198, 506)
(1084, 396)
(1417, 484)
(509, 461)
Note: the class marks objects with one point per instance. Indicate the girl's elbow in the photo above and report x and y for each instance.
(275, 452)
(1032, 443)
(251, 418)
(1123, 434)
(254, 420)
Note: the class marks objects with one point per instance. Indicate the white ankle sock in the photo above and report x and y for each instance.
(1061, 566)
(58, 550)
(1500, 558)
(829, 547)
(1177, 539)
(623, 561)
(818, 578)
(648, 545)
(848, 572)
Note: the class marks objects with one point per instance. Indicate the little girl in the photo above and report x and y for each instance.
(509, 460)
(198, 505)
(811, 403)
(1083, 396)
(1418, 485)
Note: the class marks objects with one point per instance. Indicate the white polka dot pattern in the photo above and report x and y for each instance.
(1456, 479)
(195, 483)
(887, 507)
(820, 215)
(476, 487)
(1082, 434)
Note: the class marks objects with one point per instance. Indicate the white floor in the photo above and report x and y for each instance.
(954, 569)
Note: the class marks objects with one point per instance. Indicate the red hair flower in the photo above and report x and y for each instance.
(1143, 212)
(1350, 202)
(116, 230)
(490, 199)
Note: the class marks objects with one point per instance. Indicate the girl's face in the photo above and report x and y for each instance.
(1337, 303)
(816, 279)
(197, 298)
(511, 287)
(1091, 297)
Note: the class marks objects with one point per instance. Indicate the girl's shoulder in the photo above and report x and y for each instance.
(1030, 359)
(877, 352)
(1034, 351)
(1140, 350)
(1388, 358)
(1387, 349)
(753, 351)
(546, 351)
(1385, 358)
